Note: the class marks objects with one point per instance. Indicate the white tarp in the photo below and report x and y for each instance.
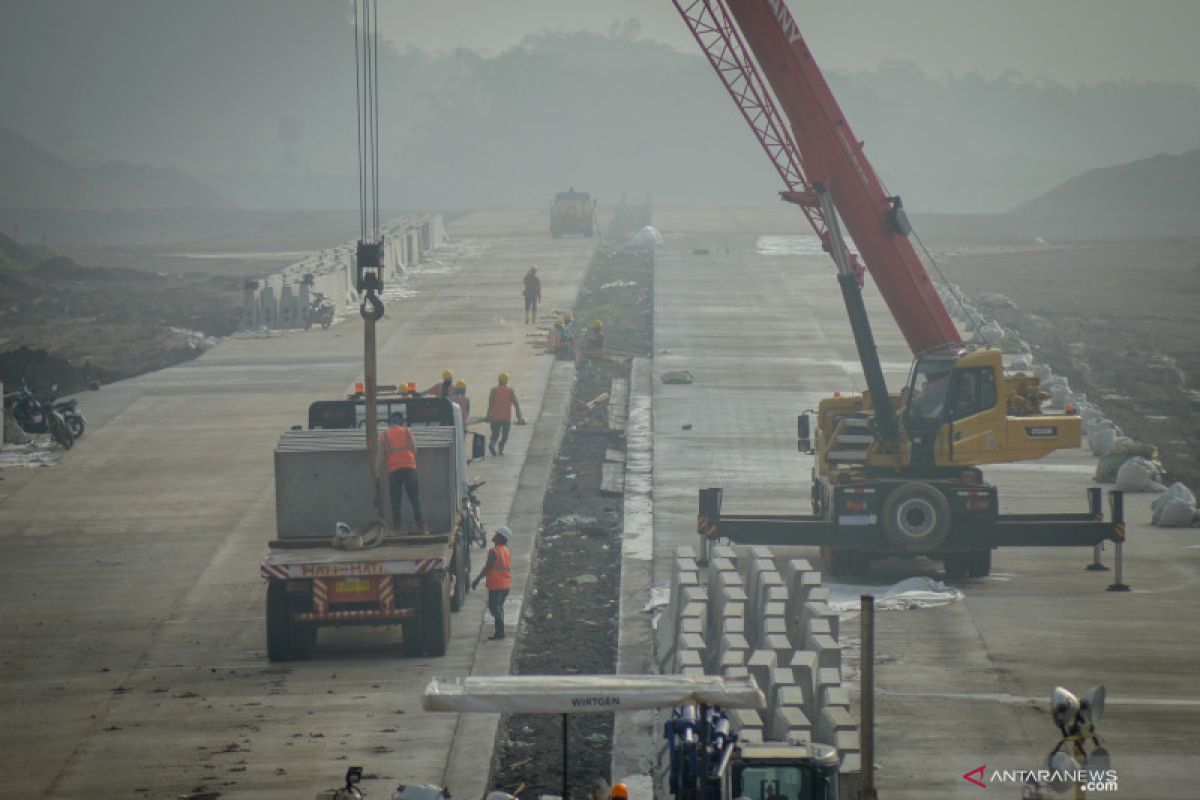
(915, 592)
(586, 694)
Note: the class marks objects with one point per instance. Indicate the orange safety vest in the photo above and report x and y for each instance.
(500, 404)
(499, 576)
(398, 445)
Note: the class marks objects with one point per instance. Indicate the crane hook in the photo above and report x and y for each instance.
(375, 313)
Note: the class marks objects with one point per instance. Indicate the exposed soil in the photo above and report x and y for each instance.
(570, 621)
(71, 325)
(1118, 320)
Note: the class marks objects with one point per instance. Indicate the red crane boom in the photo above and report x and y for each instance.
(821, 149)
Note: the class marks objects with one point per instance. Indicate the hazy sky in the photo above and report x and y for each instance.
(1069, 41)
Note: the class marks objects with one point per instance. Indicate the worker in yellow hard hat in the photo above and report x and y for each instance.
(443, 389)
(595, 336)
(533, 294)
(502, 401)
(460, 398)
(620, 792)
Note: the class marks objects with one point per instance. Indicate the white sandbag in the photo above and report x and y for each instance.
(1102, 438)
(992, 331)
(1174, 508)
(1138, 475)
(647, 238)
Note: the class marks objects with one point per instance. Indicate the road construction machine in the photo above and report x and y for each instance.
(894, 474)
(706, 762)
(573, 212)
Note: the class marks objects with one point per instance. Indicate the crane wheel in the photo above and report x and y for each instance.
(915, 518)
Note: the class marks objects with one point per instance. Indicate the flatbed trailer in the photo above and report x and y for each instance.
(384, 574)
(855, 534)
(405, 580)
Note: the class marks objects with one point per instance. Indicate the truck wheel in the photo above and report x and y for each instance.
(979, 563)
(458, 574)
(413, 643)
(956, 565)
(435, 613)
(279, 623)
(915, 518)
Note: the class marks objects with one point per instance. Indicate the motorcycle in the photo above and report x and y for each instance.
(320, 309)
(43, 416)
(476, 530)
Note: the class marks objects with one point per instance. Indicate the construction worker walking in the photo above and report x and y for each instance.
(502, 401)
(399, 451)
(533, 294)
(498, 572)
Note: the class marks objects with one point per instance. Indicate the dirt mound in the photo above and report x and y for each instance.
(64, 323)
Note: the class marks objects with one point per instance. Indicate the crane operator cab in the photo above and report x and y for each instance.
(956, 412)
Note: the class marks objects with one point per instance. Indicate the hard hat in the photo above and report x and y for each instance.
(597, 324)
(502, 377)
(620, 792)
(567, 316)
(397, 418)
(447, 375)
(533, 268)
(460, 384)
(502, 533)
(558, 323)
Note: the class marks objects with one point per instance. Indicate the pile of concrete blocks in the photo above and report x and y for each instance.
(750, 613)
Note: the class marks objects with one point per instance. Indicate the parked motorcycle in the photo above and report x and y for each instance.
(42, 416)
(320, 309)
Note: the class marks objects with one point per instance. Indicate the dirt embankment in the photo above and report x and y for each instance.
(66, 324)
(1118, 320)
(570, 622)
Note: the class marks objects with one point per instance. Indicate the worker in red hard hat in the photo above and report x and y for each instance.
(620, 792)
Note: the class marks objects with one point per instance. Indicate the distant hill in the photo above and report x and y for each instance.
(32, 177)
(1157, 196)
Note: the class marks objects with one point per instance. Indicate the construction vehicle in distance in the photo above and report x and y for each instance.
(895, 475)
(706, 762)
(574, 213)
(337, 561)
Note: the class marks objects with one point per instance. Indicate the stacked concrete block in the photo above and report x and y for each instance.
(748, 614)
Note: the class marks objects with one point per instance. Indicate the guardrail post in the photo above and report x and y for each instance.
(1116, 501)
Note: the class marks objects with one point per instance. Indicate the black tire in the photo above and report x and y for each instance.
(458, 574)
(435, 613)
(915, 518)
(59, 431)
(279, 623)
(75, 424)
(979, 563)
(326, 322)
(956, 565)
(413, 643)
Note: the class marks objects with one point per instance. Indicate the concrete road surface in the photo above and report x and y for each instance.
(132, 654)
(760, 324)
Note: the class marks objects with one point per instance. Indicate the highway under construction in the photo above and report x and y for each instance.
(791, 470)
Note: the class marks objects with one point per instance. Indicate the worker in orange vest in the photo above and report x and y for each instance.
(502, 400)
(397, 446)
(498, 571)
(443, 389)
